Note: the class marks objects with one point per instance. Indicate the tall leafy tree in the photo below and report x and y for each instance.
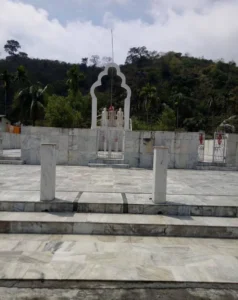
(6, 78)
(74, 79)
(12, 47)
(148, 94)
(31, 103)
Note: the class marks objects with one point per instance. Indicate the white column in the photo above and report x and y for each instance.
(48, 172)
(1, 146)
(160, 174)
(94, 113)
(110, 139)
(116, 143)
(127, 114)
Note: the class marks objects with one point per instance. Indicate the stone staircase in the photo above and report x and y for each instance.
(215, 166)
(109, 163)
(99, 245)
(11, 160)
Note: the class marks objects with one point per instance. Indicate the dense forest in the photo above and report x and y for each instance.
(170, 91)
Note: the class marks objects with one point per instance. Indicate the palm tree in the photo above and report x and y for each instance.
(75, 77)
(31, 101)
(178, 99)
(7, 79)
(21, 76)
(148, 93)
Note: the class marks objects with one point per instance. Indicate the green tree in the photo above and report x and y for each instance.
(30, 102)
(23, 54)
(12, 47)
(6, 78)
(59, 113)
(148, 94)
(136, 54)
(74, 79)
(167, 120)
(21, 76)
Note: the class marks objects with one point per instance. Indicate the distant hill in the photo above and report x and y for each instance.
(202, 93)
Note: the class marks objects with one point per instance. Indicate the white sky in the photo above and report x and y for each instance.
(75, 29)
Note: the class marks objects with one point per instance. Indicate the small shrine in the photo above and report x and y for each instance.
(112, 118)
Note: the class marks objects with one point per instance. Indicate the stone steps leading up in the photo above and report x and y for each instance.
(10, 161)
(210, 164)
(10, 158)
(118, 224)
(117, 163)
(102, 165)
(216, 168)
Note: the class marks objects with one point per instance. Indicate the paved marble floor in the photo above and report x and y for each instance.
(120, 258)
(22, 183)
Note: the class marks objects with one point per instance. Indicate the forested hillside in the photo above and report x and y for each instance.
(169, 90)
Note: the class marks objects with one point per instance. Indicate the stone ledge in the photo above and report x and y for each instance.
(118, 224)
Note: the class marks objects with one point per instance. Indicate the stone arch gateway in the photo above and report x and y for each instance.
(127, 101)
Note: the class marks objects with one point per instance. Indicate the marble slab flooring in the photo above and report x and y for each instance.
(160, 259)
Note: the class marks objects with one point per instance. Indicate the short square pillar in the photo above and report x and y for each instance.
(160, 174)
(48, 172)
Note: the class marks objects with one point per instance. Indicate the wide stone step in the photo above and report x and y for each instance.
(10, 161)
(216, 168)
(102, 165)
(10, 157)
(118, 224)
(120, 203)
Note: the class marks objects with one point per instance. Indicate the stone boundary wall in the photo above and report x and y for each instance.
(183, 148)
(73, 146)
(79, 146)
(11, 140)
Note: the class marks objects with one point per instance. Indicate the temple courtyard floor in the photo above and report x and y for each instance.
(103, 233)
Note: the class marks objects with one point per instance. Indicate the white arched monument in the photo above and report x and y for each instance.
(123, 85)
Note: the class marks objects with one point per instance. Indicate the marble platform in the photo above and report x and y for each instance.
(113, 258)
(74, 179)
(117, 224)
(83, 189)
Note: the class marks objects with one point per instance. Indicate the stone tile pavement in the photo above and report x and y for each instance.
(22, 183)
(85, 257)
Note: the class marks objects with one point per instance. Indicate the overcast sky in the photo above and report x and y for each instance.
(68, 30)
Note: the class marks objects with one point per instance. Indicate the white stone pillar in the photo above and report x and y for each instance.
(1, 146)
(110, 139)
(127, 114)
(160, 174)
(94, 113)
(116, 143)
(48, 172)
